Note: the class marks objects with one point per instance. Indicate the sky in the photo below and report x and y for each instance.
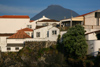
(33, 7)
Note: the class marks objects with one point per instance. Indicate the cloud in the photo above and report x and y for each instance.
(13, 9)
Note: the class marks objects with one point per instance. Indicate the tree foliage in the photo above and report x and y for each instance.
(74, 42)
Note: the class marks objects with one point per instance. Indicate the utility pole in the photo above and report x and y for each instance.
(71, 19)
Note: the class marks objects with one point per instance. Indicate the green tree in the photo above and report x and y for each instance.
(74, 42)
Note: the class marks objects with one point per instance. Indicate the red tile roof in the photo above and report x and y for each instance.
(86, 13)
(26, 29)
(14, 16)
(19, 35)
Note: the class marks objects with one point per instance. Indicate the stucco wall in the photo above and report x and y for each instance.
(12, 48)
(11, 25)
(93, 47)
(33, 24)
(51, 36)
(90, 50)
(3, 43)
(15, 41)
(91, 36)
(43, 32)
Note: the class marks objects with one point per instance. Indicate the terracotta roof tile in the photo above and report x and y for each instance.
(49, 20)
(19, 35)
(26, 29)
(14, 16)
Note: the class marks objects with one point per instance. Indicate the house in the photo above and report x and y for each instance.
(15, 30)
(90, 21)
(16, 41)
(93, 40)
(47, 22)
(12, 23)
(46, 32)
(71, 21)
(9, 24)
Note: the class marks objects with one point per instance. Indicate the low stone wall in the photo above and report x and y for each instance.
(40, 44)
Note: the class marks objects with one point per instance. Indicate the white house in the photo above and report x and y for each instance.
(9, 24)
(47, 22)
(16, 41)
(46, 32)
(12, 23)
(93, 40)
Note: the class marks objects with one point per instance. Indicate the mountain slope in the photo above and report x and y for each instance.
(55, 12)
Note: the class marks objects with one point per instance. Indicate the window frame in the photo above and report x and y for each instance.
(37, 34)
(16, 48)
(8, 48)
(29, 26)
(54, 32)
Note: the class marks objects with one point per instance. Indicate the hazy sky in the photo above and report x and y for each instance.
(33, 7)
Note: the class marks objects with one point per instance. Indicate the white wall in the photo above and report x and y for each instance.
(43, 32)
(15, 41)
(12, 41)
(11, 25)
(93, 47)
(33, 24)
(3, 43)
(53, 37)
(91, 36)
(90, 50)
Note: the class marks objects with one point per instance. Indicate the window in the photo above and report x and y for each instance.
(37, 34)
(47, 33)
(16, 48)
(54, 32)
(29, 26)
(8, 48)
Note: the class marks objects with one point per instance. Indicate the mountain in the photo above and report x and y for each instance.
(55, 12)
